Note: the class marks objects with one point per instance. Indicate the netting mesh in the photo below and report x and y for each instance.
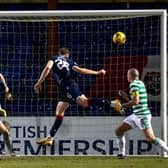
(26, 44)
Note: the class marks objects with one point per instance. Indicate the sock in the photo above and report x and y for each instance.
(56, 125)
(121, 144)
(8, 142)
(161, 143)
(98, 102)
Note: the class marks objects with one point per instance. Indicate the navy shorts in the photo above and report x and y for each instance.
(68, 91)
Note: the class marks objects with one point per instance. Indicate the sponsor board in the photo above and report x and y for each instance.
(77, 136)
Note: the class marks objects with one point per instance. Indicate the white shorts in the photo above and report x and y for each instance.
(142, 122)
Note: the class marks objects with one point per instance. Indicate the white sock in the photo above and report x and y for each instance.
(162, 144)
(121, 144)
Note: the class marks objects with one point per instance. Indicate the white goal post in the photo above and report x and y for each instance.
(111, 13)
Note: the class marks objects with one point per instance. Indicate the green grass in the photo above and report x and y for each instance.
(82, 162)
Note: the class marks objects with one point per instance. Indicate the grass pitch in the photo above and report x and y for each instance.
(82, 162)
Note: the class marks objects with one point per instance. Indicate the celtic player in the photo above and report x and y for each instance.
(141, 116)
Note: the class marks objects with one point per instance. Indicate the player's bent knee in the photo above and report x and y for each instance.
(118, 132)
(82, 101)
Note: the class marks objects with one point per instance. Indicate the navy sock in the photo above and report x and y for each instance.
(98, 102)
(56, 125)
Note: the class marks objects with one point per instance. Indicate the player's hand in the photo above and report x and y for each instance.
(3, 112)
(8, 96)
(37, 87)
(101, 72)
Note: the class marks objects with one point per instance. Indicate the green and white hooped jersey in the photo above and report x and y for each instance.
(137, 87)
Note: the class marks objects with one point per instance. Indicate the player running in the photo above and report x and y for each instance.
(64, 69)
(4, 125)
(141, 116)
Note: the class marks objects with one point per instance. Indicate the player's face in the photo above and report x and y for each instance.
(129, 76)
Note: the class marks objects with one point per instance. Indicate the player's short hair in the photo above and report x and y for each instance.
(134, 73)
(63, 51)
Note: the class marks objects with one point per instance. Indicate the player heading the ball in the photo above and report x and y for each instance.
(64, 69)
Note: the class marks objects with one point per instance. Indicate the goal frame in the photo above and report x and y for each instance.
(163, 44)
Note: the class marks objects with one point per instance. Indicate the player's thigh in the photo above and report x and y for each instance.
(143, 122)
(61, 107)
(73, 91)
(3, 129)
(122, 128)
(82, 100)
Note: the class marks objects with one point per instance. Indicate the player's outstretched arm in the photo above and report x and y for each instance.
(43, 75)
(88, 71)
(4, 83)
(8, 95)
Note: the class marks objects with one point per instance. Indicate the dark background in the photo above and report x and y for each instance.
(22, 69)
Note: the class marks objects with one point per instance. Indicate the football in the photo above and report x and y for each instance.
(119, 38)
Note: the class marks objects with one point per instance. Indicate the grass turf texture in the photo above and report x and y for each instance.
(82, 162)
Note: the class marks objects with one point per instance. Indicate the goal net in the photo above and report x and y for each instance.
(27, 42)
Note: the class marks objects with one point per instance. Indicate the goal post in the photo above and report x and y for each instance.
(82, 13)
(93, 45)
(164, 70)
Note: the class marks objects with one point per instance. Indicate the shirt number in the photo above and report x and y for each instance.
(62, 64)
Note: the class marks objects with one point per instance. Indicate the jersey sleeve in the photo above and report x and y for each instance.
(53, 58)
(73, 63)
(134, 90)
